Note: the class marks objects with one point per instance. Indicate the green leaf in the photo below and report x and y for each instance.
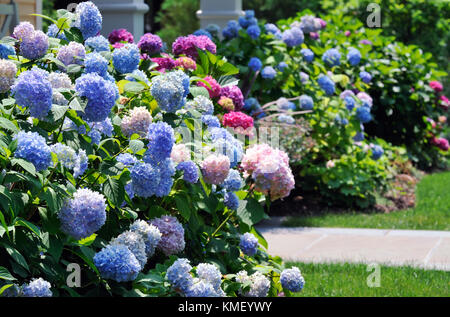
(88, 240)
(199, 91)
(27, 166)
(17, 257)
(136, 145)
(251, 212)
(8, 125)
(133, 87)
(5, 275)
(29, 225)
(183, 206)
(114, 191)
(75, 105)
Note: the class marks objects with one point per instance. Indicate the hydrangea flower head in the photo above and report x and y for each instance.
(126, 159)
(37, 288)
(231, 30)
(126, 59)
(190, 171)
(88, 19)
(292, 279)
(268, 72)
(188, 45)
(186, 63)
(255, 64)
(120, 35)
(97, 43)
(209, 273)
(436, 85)
(201, 104)
(293, 37)
(332, 57)
(284, 118)
(254, 31)
(354, 56)
(150, 43)
(326, 84)
(307, 54)
(231, 200)
(201, 288)
(365, 77)
(235, 94)
(149, 233)
(172, 239)
(310, 24)
(363, 114)
(34, 46)
(23, 31)
(144, 179)
(96, 63)
(259, 284)
(100, 93)
(170, 90)
(179, 275)
(161, 140)
(215, 168)
(233, 182)
(33, 90)
(248, 244)
(273, 29)
(214, 89)
(306, 102)
(364, 97)
(84, 214)
(203, 32)
(72, 53)
(135, 243)
(8, 72)
(60, 80)
(118, 263)
(377, 151)
(33, 148)
(6, 50)
(180, 153)
(137, 121)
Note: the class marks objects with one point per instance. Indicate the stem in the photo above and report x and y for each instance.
(222, 224)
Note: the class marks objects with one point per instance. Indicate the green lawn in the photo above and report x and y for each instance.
(351, 280)
(432, 211)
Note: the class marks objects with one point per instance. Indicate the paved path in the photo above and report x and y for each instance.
(419, 248)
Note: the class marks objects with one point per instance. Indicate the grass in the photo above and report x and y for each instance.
(432, 211)
(343, 280)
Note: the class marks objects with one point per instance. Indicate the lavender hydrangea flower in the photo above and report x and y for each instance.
(101, 95)
(179, 275)
(33, 148)
(248, 244)
(35, 46)
(137, 121)
(255, 64)
(273, 29)
(172, 240)
(234, 93)
(97, 43)
(149, 233)
(310, 24)
(190, 171)
(161, 140)
(231, 200)
(88, 19)
(353, 56)
(60, 80)
(293, 37)
(150, 44)
(268, 72)
(292, 279)
(326, 84)
(118, 263)
(332, 57)
(135, 243)
(37, 288)
(306, 102)
(211, 121)
(33, 90)
(72, 53)
(84, 214)
(126, 58)
(170, 90)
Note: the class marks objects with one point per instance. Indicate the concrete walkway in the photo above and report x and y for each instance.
(418, 248)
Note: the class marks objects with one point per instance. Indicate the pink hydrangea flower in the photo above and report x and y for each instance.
(214, 91)
(180, 153)
(215, 168)
(188, 45)
(437, 86)
(120, 35)
(365, 97)
(445, 103)
(442, 143)
(330, 164)
(314, 35)
(322, 23)
(347, 33)
(186, 63)
(237, 119)
(235, 93)
(164, 63)
(138, 121)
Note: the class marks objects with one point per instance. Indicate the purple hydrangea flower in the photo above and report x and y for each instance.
(172, 240)
(235, 94)
(150, 44)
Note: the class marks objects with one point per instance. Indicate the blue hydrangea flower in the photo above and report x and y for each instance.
(251, 104)
(213, 29)
(144, 179)
(161, 140)
(96, 63)
(201, 288)
(81, 164)
(118, 263)
(97, 43)
(341, 121)
(172, 231)
(282, 66)
(233, 182)
(273, 29)
(100, 93)
(33, 148)
(231, 200)
(53, 31)
(170, 90)
(126, 59)
(292, 279)
(34, 46)
(149, 233)
(332, 57)
(135, 243)
(255, 64)
(377, 152)
(190, 171)
(209, 273)
(227, 144)
(306, 102)
(6, 50)
(211, 121)
(365, 77)
(88, 19)
(254, 31)
(104, 127)
(349, 103)
(326, 84)
(201, 104)
(284, 118)
(249, 244)
(95, 136)
(203, 32)
(166, 170)
(34, 91)
(140, 76)
(363, 114)
(359, 136)
(307, 54)
(84, 214)
(231, 30)
(179, 275)
(293, 37)
(37, 288)
(353, 56)
(126, 159)
(259, 284)
(268, 72)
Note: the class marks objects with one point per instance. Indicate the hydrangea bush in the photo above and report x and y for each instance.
(98, 169)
